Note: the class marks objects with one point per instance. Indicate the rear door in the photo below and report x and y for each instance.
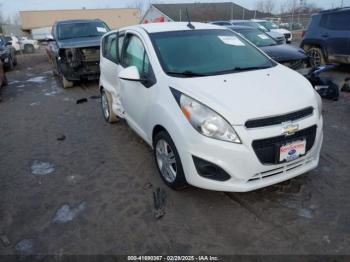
(335, 32)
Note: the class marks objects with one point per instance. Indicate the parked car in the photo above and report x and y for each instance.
(75, 49)
(218, 113)
(7, 53)
(271, 26)
(3, 78)
(288, 55)
(23, 44)
(280, 38)
(327, 38)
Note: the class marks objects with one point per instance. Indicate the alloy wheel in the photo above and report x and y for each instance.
(105, 107)
(315, 58)
(166, 160)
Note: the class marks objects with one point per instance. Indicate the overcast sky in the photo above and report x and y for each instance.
(11, 7)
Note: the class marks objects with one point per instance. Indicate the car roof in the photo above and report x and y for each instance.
(258, 20)
(340, 9)
(242, 27)
(77, 21)
(171, 27)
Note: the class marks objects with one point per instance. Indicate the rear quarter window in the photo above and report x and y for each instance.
(336, 21)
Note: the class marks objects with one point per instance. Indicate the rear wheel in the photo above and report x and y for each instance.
(66, 83)
(316, 57)
(168, 161)
(106, 105)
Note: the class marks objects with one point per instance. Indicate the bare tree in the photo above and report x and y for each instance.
(142, 5)
(259, 6)
(269, 6)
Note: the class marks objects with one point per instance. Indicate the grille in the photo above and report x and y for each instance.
(287, 36)
(90, 54)
(275, 120)
(267, 150)
(282, 170)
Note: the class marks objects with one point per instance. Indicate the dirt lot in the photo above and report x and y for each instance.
(97, 195)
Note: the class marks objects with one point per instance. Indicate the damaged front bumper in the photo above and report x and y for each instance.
(80, 63)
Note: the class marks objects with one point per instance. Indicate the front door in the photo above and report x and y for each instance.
(136, 97)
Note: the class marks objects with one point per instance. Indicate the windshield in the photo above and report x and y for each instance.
(81, 29)
(206, 52)
(269, 25)
(257, 37)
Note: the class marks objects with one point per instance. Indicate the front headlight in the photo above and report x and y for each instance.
(204, 120)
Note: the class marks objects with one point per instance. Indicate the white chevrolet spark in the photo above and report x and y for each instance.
(218, 112)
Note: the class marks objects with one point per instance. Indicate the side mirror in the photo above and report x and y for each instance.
(130, 73)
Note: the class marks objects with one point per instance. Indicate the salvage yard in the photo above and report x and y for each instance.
(70, 183)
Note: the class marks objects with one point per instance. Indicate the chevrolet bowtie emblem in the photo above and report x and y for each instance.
(289, 128)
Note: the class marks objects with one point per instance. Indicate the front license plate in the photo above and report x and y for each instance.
(292, 150)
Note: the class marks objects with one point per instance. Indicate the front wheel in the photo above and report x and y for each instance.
(168, 161)
(316, 57)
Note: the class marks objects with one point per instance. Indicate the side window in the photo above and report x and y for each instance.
(134, 54)
(110, 48)
(336, 21)
(121, 38)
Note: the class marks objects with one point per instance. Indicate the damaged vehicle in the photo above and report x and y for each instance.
(74, 49)
(288, 55)
(218, 113)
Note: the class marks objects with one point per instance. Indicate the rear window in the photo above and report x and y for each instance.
(336, 21)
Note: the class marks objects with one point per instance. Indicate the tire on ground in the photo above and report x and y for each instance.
(312, 52)
(180, 180)
(110, 117)
(66, 83)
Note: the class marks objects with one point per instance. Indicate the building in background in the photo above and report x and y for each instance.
(199, 12)
(39, 23)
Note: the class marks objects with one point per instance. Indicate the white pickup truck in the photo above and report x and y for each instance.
(23, 44)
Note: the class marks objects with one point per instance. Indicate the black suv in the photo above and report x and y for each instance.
(7, 53)
(75, 49)
(327, 38)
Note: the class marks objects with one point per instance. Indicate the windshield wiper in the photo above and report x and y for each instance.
(240, 69)
(186, 73)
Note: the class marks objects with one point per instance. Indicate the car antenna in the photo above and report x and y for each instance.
(189, 25)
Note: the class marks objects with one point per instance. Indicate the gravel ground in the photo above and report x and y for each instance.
(70, 183)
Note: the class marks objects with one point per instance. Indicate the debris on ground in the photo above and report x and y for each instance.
(159, 201)
(95, 97)
(5, 241)
(82, 100)
(67, 213)
(325, 86)
(148, 185)
(42, 168)
(61, 137)
(25, 246)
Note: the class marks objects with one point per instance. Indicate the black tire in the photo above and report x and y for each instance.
(9, 66)
(14, 60)
(5, 81)
(106, 106)
(180, 180)
(29, 49)
(316, 56)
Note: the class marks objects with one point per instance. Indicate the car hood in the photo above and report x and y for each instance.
(275, 34)
(251, 94)
(281, 31)
(79, 42)
(283, 53)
